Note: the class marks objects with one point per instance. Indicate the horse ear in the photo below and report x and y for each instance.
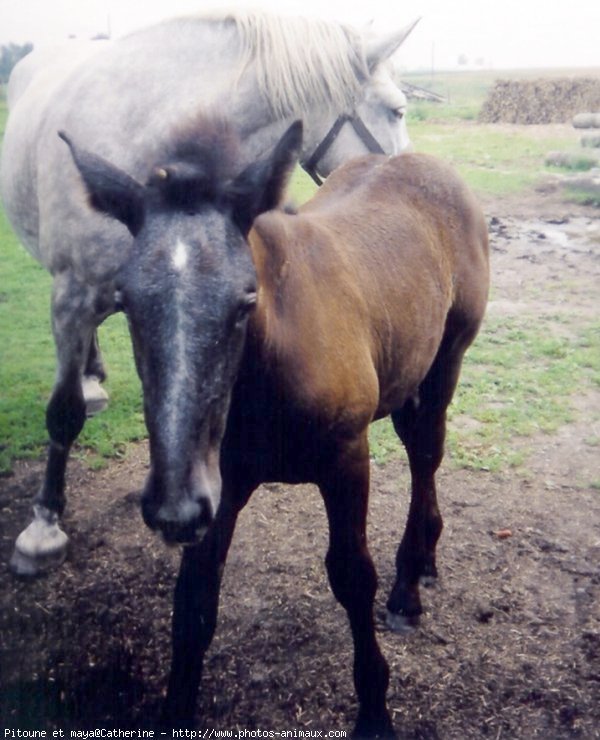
(110, 190)
(260, 186)
(379, 50)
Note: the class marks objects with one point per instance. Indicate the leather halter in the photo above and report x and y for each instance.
(310, 165)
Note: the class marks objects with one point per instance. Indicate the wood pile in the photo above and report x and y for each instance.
(540, 101)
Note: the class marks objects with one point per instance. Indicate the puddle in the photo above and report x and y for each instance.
(555, 235)
(539, 266)
(573, 235)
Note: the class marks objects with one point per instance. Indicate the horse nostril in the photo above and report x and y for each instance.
(183, 521)
(181, 509)
(178, 534)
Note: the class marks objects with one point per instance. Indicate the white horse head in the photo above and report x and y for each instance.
(321, 71)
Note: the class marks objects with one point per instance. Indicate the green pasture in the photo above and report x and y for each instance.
(516, 382)
(493, 160)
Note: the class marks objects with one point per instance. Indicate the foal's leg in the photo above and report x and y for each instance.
(354, 583)
(195, 616)
(43, 544)
(95, 397)
(421, 425)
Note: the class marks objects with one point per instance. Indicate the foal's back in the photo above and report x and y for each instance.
(410, 197)
(430, 219)
(359, 287)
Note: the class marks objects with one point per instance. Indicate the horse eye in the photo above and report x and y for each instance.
(249, 301)
(398, 113)
(247, 304)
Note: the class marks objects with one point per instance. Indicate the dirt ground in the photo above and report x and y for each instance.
(509, 646)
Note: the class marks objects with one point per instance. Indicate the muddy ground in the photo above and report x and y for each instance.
(509, 645)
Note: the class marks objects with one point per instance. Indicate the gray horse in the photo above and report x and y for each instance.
(119, 99)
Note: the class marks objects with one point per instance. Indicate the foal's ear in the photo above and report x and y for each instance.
(260, 186)
(110, 190)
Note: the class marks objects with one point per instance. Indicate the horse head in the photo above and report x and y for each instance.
(187, 288)
(336, 79)
(374, 122)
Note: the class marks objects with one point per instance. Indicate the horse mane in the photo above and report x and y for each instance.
(300, 62)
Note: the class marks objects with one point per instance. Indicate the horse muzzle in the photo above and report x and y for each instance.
(182, 517)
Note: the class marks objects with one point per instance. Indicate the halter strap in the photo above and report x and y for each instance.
(310, 165)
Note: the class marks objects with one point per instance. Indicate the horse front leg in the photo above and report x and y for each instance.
(195, 609)
(43, 544)
(354, 583)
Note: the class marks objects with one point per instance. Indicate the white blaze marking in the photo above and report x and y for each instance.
(180, 255)
(180, 369)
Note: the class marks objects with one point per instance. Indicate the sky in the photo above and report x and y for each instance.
(490, 34)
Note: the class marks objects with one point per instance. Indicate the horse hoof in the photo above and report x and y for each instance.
(402, 623)
(39, 547)
(94, 395)
(380, 728)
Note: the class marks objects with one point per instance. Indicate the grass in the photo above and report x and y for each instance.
(517, 377)
(495, 160)
(27, 368)
(517, 380)
(580, 163)
(27, 364)
(584, 196)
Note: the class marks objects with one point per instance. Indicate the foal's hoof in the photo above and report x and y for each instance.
(94, 395)
(402, 623)
(374, 728)
(39, 547)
